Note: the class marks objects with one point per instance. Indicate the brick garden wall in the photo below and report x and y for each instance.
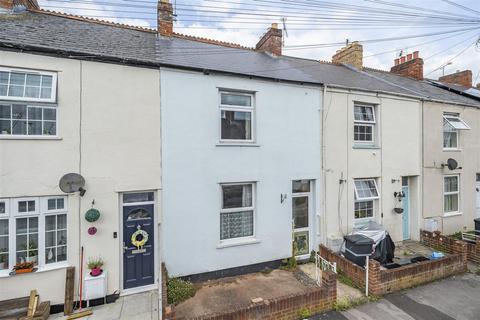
(382, 281)
(314, 300)
(447, 244)
(344, 266)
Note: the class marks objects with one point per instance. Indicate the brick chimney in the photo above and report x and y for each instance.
(352, 54)
(462, 78)
(9, 4)
(478, 85)
(164, 18)
(409, 66)
(271, 41)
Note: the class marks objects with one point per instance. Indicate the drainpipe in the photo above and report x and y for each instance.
(323, 165)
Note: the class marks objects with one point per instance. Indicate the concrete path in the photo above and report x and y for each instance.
(456, 298)
(141, 306)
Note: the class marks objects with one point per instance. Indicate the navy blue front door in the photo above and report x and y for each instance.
(138, 262)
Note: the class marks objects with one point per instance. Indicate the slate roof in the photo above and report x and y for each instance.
(78, 37)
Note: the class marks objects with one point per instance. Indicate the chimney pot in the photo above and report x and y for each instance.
(352, 54)
(271, 41)
(415, 54)
(397, 61)
(402, 59)
(409, 57)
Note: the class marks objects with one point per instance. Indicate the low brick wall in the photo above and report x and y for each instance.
(382, 281)
(344, 266)
(314, 300)
(447, 244)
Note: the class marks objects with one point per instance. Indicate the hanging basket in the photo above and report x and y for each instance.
(92, 215)
(398, 210)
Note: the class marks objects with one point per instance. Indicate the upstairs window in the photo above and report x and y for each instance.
(27, 85)
(27, 103)
(452, 124)
(236, 113)
(364, 124)
(366, 197)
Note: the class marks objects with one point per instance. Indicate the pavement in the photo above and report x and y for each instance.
(455, 298)
(141, 306)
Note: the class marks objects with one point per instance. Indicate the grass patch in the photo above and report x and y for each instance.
(346, 303)
(346, 280)
(179, 290)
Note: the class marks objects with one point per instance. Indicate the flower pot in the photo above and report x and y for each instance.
(95, 272)
(398, 210)
(23, 270)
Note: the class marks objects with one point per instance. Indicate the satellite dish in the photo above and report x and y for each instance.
(452, 164)
(72, 182)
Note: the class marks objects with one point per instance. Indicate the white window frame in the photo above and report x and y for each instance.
(31, 136)
(458, 193)
(53, 94)
(374, 200)
(228, 107)
(446, 117)
(7, 208)
(371, 124)
(239, 209)
(41, 211)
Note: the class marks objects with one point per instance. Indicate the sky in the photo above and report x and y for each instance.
(312, 22)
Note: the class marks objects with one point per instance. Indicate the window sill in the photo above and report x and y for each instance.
(237, 144)
(451, 150)
(235, 243)
(359, 146)
(452, 214)
(30, 137)
(58, 266)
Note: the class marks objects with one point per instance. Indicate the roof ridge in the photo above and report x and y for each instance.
(211, 41)
(375, 69)
(92, 20)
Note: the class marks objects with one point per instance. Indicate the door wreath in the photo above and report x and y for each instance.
(144, 238)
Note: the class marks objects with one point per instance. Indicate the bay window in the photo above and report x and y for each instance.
(366, 198)
(236, 114)
(364, 124)
(33, 230)
(451, 194)
(27, 103)
(237, 212)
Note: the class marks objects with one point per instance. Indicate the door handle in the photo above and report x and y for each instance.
(124, 247)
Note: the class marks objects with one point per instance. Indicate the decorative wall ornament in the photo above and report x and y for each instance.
(92, 231)
(92, 215)
(139, 238)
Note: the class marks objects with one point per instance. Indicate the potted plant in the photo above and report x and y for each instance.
(23, 267)
(3, 260)
(95, 266)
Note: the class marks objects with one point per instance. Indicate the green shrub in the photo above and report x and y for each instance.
(289, 264)
(179, 290)
(304, 313)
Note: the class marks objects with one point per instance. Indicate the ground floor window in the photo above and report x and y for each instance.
(451, 193)
(33, 230)
(366, 198)
(237, 213)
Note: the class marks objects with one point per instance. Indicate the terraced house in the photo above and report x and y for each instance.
(226, 159)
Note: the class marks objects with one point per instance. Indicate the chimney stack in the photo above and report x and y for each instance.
(352, 54)
(29, 4)
(164, 18)
(478, 85)
(462, 78)
(271, 41)
(409, 66)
